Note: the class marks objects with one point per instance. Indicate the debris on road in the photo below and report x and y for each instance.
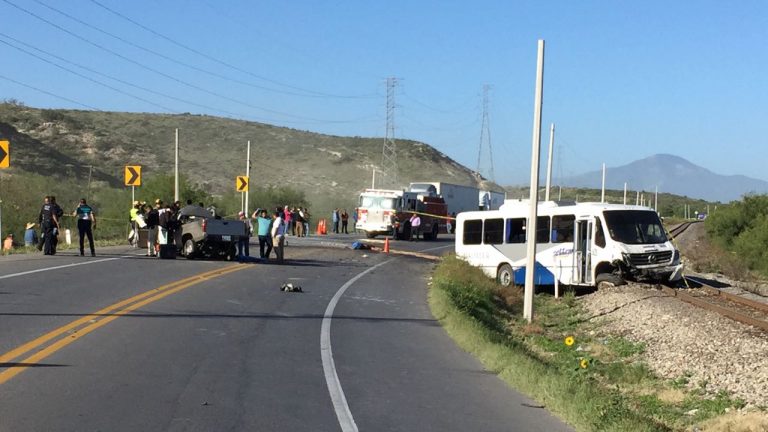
(289, 287)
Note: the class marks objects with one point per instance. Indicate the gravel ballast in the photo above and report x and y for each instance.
(716, 352)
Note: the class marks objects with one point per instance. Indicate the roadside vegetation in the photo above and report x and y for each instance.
(741, 229)
(592, 381)
(22, 197)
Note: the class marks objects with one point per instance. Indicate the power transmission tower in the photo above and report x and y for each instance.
(389, 153)
(485, 137)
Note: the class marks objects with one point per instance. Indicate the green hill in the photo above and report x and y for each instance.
(329, 169)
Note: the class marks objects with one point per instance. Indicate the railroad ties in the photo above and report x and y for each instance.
(735, 307)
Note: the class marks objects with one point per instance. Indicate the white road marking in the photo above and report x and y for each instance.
(12, 275)
(436, 248)
(346, 421)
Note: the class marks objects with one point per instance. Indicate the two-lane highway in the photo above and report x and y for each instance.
(122, 342)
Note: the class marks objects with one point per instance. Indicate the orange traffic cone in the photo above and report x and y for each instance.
(386, 245)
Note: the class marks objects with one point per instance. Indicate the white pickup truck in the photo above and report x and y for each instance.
(203, 235)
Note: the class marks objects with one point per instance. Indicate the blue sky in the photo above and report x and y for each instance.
(623, 80)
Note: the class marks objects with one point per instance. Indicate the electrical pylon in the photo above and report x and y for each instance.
(485, 137)
(389, 153)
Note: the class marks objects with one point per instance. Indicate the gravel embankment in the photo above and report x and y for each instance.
(681, 338)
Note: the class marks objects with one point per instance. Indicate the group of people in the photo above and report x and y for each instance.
(343, 217)
(272, 230)
(50, 220)
(164, 221)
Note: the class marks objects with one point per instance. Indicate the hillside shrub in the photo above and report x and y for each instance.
(742, 228)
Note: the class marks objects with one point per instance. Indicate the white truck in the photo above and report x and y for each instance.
(490, 200)
(203, 235)
(458, 198)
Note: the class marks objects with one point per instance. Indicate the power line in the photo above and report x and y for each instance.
(49, 93)
(312, 93)
(165, 57)
(143, 66)
(88, 78)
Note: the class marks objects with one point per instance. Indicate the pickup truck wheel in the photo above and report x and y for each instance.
(190, 249)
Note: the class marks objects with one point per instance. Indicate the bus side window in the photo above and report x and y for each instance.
(473, 232)
(516, 230)
(599, 234)
(562, 228)
(493, 231)
(542, 229)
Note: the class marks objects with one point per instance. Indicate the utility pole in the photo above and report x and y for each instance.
(485, 131)
(176, 170)
(389, 153)
(533, 202)
(247, 174)
(625, 193)
(549, 160)
(602, 196)
(656, 200)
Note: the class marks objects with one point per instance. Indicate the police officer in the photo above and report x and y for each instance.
(59, 212)
(86, 221)
(48, 222)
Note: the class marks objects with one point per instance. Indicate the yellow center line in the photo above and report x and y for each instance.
(107, 315)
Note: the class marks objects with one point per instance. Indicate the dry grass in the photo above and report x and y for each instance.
(737, 422)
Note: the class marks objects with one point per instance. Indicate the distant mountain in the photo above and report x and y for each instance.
(672, 174)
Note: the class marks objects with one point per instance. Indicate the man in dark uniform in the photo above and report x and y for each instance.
(59, 212)
(48, 221)
(86, 221)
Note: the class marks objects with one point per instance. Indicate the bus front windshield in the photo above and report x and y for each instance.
(635, 226)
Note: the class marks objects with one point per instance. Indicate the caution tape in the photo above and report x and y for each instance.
(429, 214)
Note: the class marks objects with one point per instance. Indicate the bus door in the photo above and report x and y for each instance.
(582, 249)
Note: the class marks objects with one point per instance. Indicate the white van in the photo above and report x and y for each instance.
(586, 244)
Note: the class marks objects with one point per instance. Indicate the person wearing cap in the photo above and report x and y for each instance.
(30, 235)
(86, 221)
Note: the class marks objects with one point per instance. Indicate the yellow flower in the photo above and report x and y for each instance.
(569, 340)
(584, 363)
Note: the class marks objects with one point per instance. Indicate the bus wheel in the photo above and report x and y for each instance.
(370, 234)
(505, 276)
(607, 280)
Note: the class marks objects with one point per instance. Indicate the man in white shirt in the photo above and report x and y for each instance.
(415, 226)
(278, 236)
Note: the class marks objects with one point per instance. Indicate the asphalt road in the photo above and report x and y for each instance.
(121, 342)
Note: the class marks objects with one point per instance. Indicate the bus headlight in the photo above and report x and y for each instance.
(676, 257)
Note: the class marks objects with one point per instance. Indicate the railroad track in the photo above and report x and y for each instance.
(735, 307)
(676, 231)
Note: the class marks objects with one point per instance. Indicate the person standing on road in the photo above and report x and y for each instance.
(415, 226)
(299, 224)
(354, 221)
(344, 221)
(264, 225)
(86, 222)
(287, 220)
(59, 214)
(153, 221)
(243, 241)
(335, 220)
(48, 222)
(278, 236)
(133, 214)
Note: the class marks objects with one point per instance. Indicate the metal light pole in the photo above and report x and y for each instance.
(625, 193)
(530, 267)
(602, 195)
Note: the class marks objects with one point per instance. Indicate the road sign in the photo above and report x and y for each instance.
(133, 175)
(241, 184)
(5, 154)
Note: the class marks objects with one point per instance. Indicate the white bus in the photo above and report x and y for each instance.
(586, 244)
